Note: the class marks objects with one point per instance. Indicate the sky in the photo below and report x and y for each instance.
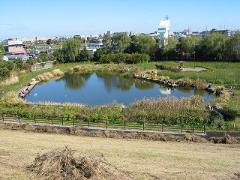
(26, 18)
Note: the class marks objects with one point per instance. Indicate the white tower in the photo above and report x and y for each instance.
(164, 31)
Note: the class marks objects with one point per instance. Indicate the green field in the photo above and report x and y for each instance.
(220, 73)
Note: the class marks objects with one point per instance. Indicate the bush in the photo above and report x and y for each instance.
(5, 69)
(124, 58)
(228, 114)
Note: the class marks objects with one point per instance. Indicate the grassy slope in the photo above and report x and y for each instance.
(25, 78)
(142, 158)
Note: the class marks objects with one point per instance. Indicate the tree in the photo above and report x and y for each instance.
(98, 54)
(71, 49)
(142, 44)
(120, 41)
(43, 57)
(59, 55)
(213, 47)
(169, 51)
(187, 46)
(233, 48)
(107, 43)
(84, 55)
(49, 41)
(1, 51)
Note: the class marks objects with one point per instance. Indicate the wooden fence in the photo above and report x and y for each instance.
(102, 123)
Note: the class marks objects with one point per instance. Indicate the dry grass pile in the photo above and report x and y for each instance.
(63, 165)
(194, 138)
(227, 139)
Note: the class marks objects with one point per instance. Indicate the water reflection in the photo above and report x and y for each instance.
(103, 88)
(165, 91)
(143, 85)
(75, 81)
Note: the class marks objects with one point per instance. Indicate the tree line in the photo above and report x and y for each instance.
(125, 48)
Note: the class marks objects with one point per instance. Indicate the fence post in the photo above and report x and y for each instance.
(34, 118)
(124, 124)
(162, 125)
(68, 117)
(18, 118)
(106, 123)
(2, 117)
(204, 129)
(62, 120)
(143, 125)
(73, 122)
(181, 125)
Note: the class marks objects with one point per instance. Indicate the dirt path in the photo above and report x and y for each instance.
(196, 69)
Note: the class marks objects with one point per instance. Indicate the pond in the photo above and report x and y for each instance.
(104, 88)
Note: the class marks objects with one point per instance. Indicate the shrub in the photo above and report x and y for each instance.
(124, 58)
(228, 113)
(169, 68)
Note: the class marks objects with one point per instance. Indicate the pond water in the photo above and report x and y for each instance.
(102, 88)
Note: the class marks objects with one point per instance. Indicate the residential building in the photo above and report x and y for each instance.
(15, 50)
(93, 44)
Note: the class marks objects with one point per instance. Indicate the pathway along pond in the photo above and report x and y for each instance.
(104, 88)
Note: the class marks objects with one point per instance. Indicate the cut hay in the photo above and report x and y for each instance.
(227, 139)
(63, 165)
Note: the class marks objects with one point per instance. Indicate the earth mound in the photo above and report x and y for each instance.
(63, 165)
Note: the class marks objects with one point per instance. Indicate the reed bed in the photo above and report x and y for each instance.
(50, 75)
(169, 110)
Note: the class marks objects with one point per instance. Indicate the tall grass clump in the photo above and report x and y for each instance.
(11, 98)
(50, 75)
(169, 111)
(200, 84)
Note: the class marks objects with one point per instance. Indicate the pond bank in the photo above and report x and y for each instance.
(27, 89)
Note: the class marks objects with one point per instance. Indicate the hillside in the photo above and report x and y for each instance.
(143, 159)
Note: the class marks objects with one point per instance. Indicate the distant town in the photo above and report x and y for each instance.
(31, 47)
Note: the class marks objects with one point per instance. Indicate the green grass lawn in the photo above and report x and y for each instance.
(220, 73)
